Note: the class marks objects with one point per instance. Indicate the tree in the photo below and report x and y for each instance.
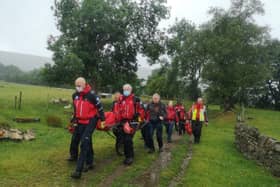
(64, 71)
(164, 80)
(187, 48)
(105, 36)
(12, 73)
(268, 94)
(235, 49)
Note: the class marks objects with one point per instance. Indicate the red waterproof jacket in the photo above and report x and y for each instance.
(116, 110)
(130, 107)
(171, 114)
(181, 113)
(87, 105)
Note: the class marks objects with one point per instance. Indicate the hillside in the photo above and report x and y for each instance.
(29, 62)
(24, 61)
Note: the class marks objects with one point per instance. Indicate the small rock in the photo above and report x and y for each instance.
(277, 147)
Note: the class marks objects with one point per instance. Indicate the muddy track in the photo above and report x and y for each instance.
(174, 182)
(98, 168)
(151, 177)
(114, 175)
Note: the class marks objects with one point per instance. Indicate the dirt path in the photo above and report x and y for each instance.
(114, 175)
(184, 166)
(83, 182)
(150, 178)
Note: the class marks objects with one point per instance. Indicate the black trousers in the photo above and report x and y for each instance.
(83, 136)
(155, 126)
(196, 129)
(182, 127)
(145, 134)
(127, 140)
(128, 145)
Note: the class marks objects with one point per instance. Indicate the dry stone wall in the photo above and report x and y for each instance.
(261, 148)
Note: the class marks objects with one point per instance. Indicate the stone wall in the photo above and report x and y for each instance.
(263, 149)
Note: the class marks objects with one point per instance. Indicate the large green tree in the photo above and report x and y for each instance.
(186, 46)
(104, 37)
(235, 49)
(268, 94)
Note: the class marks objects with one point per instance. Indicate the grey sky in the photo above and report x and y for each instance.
(26, 24)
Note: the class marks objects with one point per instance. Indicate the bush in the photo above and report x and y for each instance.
(54, 121)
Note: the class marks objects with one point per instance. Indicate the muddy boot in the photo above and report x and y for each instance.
(76, 175)
(160, 150)
(128, 161)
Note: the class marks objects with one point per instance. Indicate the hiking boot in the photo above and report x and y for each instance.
(72, 159)
(169, 141)
(76, 175)
(150, 151)
(160, 150)
(128, 161)
(88, 167)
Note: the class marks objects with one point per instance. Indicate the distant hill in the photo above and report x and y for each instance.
(23, 61)
(29, 62)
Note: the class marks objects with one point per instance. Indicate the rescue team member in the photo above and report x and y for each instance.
(170, 120)
(198, 117)
(145, 128)
(156, 113)
(87, 110)
(181, 115)
(116, 106)
(130, 111)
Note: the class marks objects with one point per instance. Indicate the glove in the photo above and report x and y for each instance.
(140, 119)
(102, 124)
(73, 120)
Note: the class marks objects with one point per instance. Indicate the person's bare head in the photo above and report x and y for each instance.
(156, 98)
(199, 100)
(170, 103)
(127, 89)
(117, 96)
(80, 82)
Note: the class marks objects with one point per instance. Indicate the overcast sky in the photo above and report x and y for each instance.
(26, 24)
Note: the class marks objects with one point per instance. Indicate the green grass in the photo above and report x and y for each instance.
(216, 162)
(41, 162)
(178, 154)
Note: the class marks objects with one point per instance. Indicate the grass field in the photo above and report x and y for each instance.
(42, 162)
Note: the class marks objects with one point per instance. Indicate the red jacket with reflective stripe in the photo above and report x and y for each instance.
(85, 106)
(129, 106)
(116, 110)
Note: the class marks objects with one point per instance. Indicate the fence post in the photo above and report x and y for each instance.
(15, 102)
(20, 99)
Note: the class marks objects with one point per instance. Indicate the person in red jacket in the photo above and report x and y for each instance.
(181, 115)
(116, 106)
(131, 111)
(171, 119)
(87, 110)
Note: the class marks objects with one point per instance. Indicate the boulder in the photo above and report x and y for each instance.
(17, 135)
